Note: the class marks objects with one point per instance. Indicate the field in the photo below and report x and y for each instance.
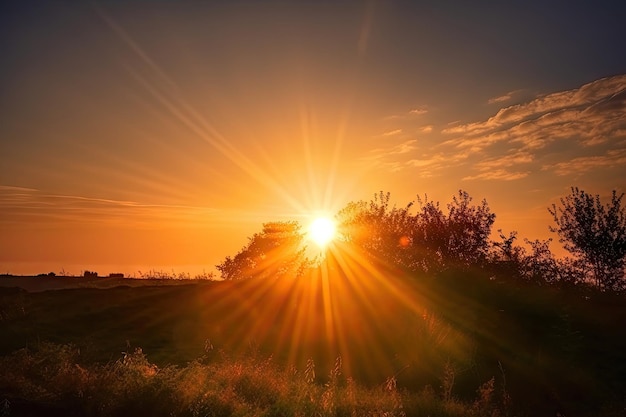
(321, 345)
(45, 283)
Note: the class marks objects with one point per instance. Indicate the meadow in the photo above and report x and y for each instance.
(461, 344)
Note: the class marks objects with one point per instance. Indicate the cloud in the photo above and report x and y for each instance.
(498, 168)
(498, 174)
(564, 132)
(506, 97)
(392, 132)
(586, 125)
(19, 205)
(418, 111)
(612, 158)
(588, 97)
(13, 188)
(401, 148)
(430, 165)
(403, 156)
(505, 161)
(392, 158)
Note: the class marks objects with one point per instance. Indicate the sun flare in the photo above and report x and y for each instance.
(322, 231)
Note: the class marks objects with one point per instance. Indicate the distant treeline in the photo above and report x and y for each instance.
(140, 275)
(423, 238)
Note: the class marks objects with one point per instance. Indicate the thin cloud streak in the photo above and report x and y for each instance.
(416, 112)
(21, 203)
(498, 174)
(393, 132)
(505, 97)
(612, 158)
(419, 111)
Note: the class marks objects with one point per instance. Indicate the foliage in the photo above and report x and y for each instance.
(429, 240)
(595, 233)
(154, 274)
(377, 230)
(54, 380)
(465, 230)
(535, 263)
(276, 251)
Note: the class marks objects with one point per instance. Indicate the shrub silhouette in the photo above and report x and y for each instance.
(427, 241)
(595, 233)
(276, 251)
(422, 237)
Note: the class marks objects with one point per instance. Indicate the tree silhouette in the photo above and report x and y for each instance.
(428, 241)
(378, 231)
(276, 251)
(595, 233)
(462, 237)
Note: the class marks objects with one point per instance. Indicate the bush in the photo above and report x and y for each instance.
(52, 380)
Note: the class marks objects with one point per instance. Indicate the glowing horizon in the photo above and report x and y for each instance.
(169, 137)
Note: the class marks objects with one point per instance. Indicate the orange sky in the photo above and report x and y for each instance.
(160, 135)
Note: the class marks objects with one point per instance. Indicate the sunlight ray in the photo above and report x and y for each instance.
(190, 118)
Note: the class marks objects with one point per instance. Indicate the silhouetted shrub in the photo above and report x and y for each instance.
(276, 251)
(427, 241)
(594, 233)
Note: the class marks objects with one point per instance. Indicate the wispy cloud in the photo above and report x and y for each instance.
(400, 148)
(593, 98)
(19, 205)
(388, 157)
(418, 111)
(13, 188)
(612, 158)
(498, 174)
(393, 132)
(430, 165)
(415, 112)
(564, 132)
(587, 124)
(505, 97)
(505, 161)
(499, 168)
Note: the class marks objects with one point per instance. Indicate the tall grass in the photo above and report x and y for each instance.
(54, 380)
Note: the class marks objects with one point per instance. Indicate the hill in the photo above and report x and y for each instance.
(549, 349)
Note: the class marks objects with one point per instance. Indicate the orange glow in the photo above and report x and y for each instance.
(170, 152)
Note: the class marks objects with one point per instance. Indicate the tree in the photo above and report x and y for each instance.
(428, 241)
(595, 233)
(462, 237)
(379, 231)
(276, 251)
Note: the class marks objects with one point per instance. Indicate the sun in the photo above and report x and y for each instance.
(322, 231)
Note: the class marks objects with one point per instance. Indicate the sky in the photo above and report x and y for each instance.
(159, 135)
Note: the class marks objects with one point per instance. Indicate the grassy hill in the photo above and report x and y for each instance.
(441, 338)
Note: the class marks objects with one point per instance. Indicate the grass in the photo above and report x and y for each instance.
(53, 379)
(459, 344)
